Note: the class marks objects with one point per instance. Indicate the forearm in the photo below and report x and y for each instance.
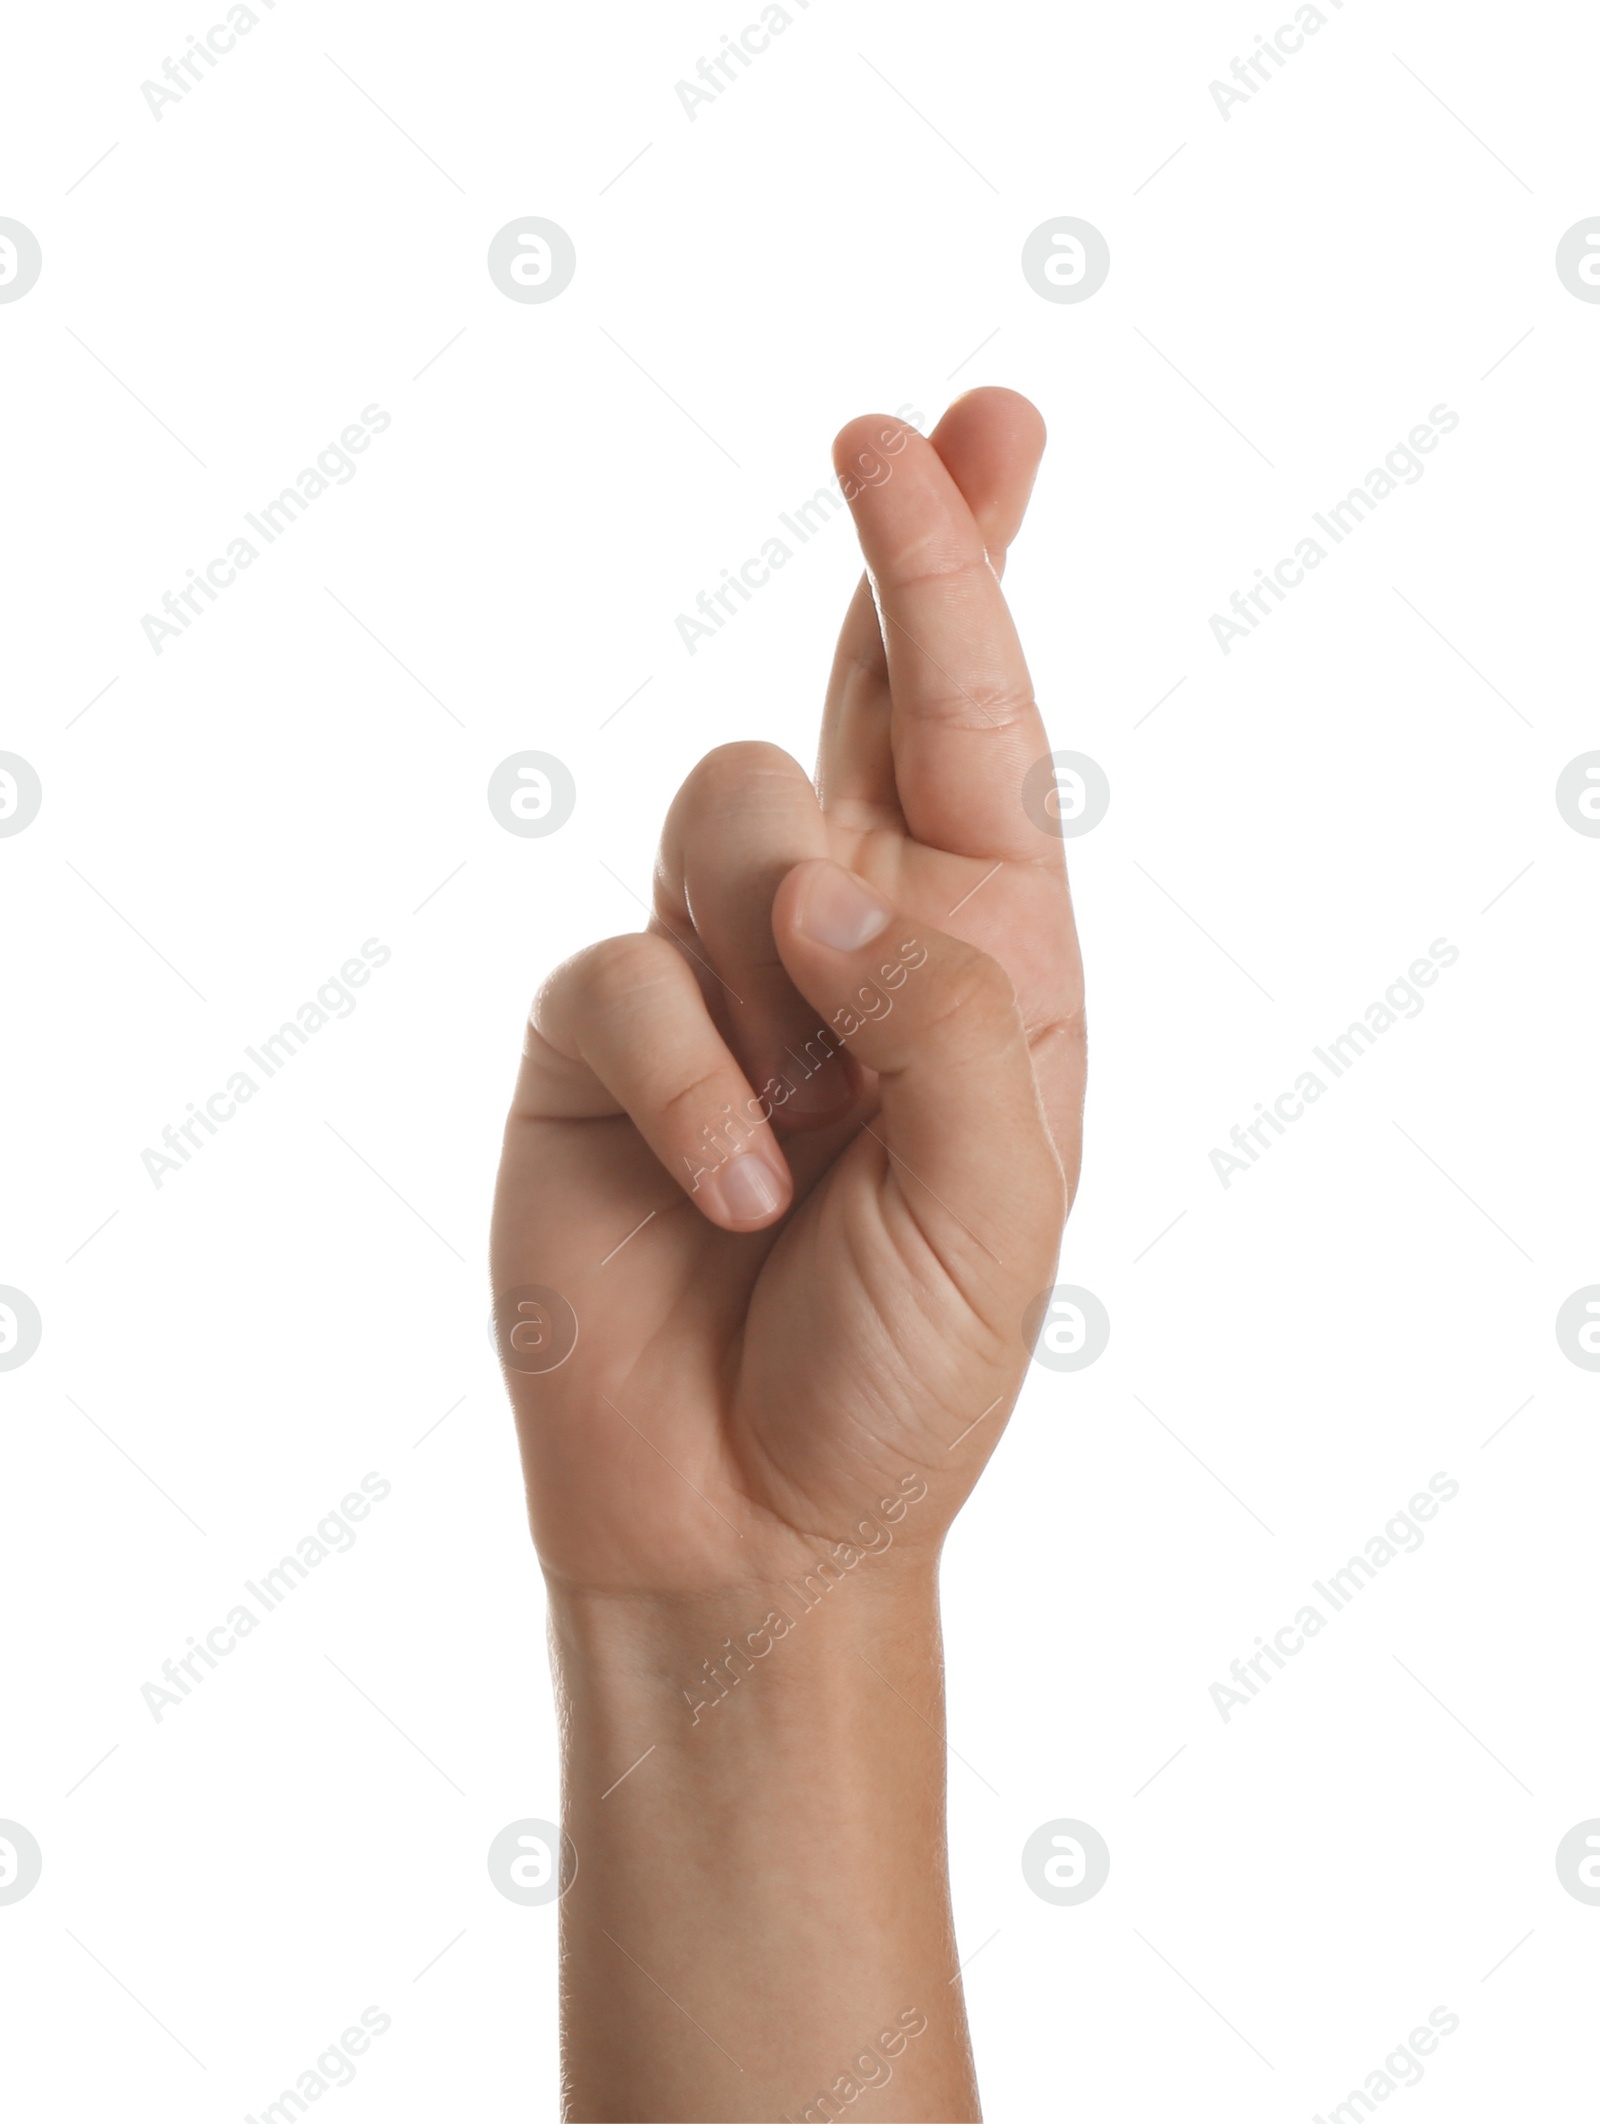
(761, 1905)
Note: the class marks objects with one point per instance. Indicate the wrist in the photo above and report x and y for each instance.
(769, 1653)
(747, 1772)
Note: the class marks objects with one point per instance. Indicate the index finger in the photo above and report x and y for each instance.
(964, 725)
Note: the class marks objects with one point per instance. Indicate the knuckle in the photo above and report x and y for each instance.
(1074, 1028)
(994, 710)
(974, 992)
(615, 969)
(1006, 705)
(602, 976)
(734, 769)
(933, 562)
(687, 1107)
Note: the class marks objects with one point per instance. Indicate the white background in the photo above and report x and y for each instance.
(1371, 770)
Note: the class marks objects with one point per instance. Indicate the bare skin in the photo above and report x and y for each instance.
(833, 1093)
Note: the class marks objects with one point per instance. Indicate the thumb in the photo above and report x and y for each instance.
(961, 1119)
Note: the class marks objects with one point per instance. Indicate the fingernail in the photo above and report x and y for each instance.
(744, 1190)
(841, 912)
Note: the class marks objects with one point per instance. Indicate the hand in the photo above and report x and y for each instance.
(791, 1166)
(779, 1320)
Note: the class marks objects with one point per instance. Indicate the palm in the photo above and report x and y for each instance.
(734, 1397)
